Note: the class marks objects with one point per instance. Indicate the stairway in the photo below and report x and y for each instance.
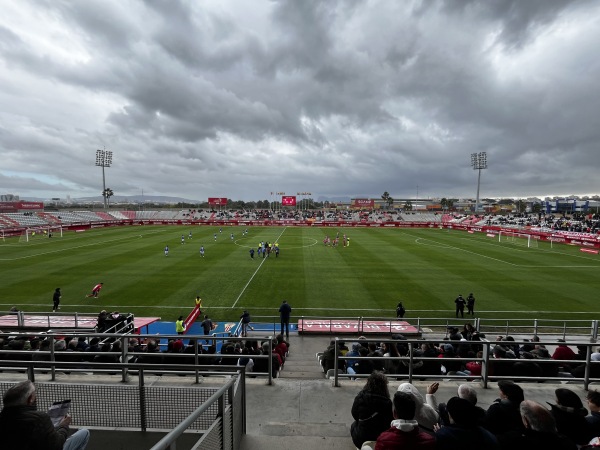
(302, 410)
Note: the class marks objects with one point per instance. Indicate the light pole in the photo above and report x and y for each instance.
(104, 159)
(478, 162)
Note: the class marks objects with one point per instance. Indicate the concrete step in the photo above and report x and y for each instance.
(250, 442)
(305, 429)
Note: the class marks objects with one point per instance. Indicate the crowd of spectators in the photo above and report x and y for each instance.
(407, 419)
(460, 354)
(95, 349)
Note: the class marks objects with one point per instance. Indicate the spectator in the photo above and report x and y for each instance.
(245, 360)
(426, 410)
(281, 347)
(564, 353)
(23, 427)
(404, 431)
(504, 415)
(450, 365)
(539, 432)
(391, 351)
(375, 352)
(569, 414)
(429, 367)
(593, 420)
(362, 366)
(352, 353)
(371, 410)
(328, 359)
(467, 392)
(464, 433)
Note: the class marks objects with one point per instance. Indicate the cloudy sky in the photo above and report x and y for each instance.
(239, 98)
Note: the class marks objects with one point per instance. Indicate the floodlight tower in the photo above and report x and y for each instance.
(478, 162)
(104, 159)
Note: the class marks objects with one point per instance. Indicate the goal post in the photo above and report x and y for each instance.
(38, 233)
(515, 238)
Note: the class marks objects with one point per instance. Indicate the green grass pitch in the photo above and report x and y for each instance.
(424, 268)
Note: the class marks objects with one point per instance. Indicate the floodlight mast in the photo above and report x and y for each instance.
(478, 162)
(104, 159)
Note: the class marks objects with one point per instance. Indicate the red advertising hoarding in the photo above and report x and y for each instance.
(363, 203)
(217, 201)
(288, 200)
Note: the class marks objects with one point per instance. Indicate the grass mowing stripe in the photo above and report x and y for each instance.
(380, 267)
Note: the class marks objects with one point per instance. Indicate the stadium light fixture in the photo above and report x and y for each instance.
(478, 162)
(104, 159)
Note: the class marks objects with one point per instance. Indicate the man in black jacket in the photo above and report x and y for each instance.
(23, 427)
(284, 313)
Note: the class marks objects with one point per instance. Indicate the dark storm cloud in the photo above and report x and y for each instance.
(340, 98)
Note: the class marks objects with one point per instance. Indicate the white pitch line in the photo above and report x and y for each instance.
(264, 308)
(438, 244)
(255, 272)
(124, 238)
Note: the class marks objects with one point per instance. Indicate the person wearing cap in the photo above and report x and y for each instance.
(460, 305)
(471, 304)
(569, 414)
(404, 431)
(539, 432)
(464, 433)
(504, 415)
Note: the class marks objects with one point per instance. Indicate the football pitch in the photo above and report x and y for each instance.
(426, 269)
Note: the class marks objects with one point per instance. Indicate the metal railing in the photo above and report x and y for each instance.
(220, 419)
(437, 325)
(192, 362)
(492, 369)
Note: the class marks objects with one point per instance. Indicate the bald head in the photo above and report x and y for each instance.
(537, 417)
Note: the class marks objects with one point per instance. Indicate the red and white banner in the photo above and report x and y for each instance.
(191, 318)
(362, 203)
(288, 200)
(217, 201)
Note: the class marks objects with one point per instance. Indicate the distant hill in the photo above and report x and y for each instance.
(120, 199)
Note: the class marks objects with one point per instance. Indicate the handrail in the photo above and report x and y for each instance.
(487, 361)
(171, 437)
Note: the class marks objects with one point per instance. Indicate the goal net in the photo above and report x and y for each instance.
(525, 240)
(38, 233)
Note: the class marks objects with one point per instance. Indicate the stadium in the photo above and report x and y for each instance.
(290, 248)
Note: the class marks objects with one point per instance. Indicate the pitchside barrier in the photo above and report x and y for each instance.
(412, 366)
(215, 416)
(424, 326)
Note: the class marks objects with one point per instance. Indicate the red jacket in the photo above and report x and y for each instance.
(404, 434)
(563, 353)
